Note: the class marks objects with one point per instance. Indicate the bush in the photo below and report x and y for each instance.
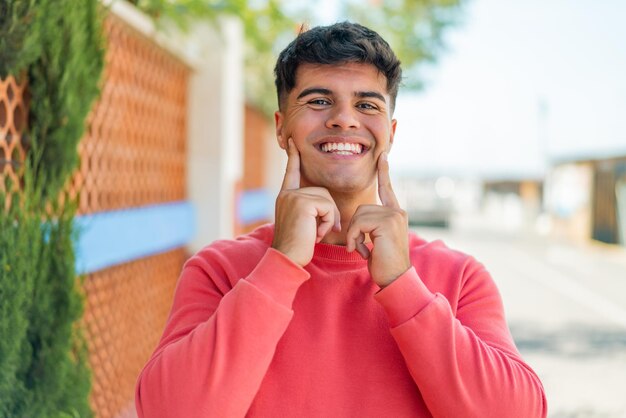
(43, 357)
(43, 364)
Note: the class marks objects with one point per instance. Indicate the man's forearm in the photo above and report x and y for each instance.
(211, 361)
(460, 370)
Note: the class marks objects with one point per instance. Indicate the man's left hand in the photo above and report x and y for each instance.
(387, 226)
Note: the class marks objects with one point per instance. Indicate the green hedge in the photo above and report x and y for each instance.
(43, 364)
(43, 367)
(59, 44)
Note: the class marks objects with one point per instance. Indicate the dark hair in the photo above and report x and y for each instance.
(337, 44)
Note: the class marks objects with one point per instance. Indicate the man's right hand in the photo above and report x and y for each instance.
(303, 215)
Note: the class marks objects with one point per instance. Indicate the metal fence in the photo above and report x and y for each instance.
(13, 122)
(132, 157)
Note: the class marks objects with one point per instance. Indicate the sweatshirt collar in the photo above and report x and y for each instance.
(323, 251)
(337, 253)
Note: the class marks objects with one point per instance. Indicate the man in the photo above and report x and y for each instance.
(336, 310)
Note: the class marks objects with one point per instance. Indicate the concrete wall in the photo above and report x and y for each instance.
(264, 163)
(215, 129)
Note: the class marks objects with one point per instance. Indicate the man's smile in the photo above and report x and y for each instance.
(352, 146)
(342, 148)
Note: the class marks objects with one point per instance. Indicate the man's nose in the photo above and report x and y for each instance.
(343, 117)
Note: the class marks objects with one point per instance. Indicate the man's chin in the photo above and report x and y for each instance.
(346, 187)
(341, 184)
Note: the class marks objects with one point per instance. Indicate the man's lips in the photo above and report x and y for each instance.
(342, 146)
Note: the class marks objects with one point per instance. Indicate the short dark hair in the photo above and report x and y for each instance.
(337, 44)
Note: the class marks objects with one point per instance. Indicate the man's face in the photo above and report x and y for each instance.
(339, 117)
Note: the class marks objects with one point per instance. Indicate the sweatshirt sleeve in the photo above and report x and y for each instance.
(218, 342)
(465, 365)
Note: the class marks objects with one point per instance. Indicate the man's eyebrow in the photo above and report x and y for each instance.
(374, 94)
(314, 90)
(327, 92)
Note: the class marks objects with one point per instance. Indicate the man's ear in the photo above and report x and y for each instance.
(392, 133)
(278, 120)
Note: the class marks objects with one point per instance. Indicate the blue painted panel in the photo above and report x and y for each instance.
(110, 238)
(255, 205)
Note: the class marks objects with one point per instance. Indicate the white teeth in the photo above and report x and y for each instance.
(342, 148)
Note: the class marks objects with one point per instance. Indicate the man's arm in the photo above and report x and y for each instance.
(303, 215)
(218, 343)
(464, 365)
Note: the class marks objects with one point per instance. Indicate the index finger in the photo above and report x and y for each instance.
(385, 191)
(292, 172)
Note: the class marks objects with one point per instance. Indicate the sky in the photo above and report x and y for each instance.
(521, 85)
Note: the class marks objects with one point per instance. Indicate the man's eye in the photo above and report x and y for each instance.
(367, 106)
(319, 102)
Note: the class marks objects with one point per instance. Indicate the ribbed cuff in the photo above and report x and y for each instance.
(279, 277)
(404, 298)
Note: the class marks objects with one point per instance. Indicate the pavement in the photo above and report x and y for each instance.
(566, 307)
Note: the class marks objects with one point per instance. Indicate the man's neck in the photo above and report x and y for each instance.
(348, 204)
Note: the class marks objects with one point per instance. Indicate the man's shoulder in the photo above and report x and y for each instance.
(248, 244)
(436, 257)
(239, 254)
(436, 248)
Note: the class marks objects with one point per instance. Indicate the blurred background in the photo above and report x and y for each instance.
(510, 146)
(517, 149)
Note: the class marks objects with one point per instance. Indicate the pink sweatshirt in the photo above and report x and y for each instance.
(253, 334)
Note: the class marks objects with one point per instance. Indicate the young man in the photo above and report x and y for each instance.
(336, 310)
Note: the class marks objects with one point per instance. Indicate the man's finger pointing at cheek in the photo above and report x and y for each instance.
(292, 172)
(385, 191)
